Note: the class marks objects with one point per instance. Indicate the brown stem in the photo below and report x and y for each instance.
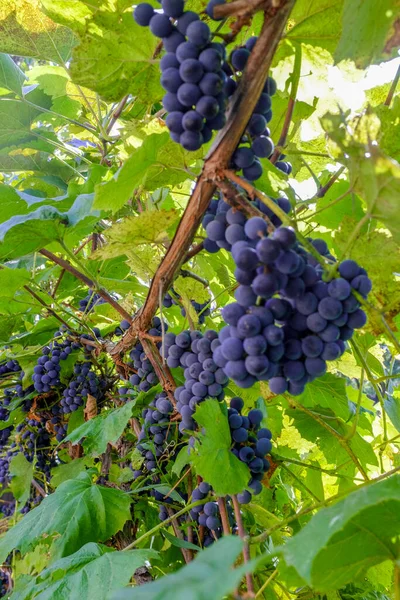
(190, 535)
(285, 130)
(322, 190)
(91, 238)
(237, 200)
(239, 7)
(162, 370)
(224, 516)
(242, 106)
(117, 113)
(201, 280)
(39, 488)
(51, 311)
(246, 548)
(187, 554)
(91, 284)
(193, 251)
(393, 88)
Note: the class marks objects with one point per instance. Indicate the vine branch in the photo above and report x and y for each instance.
(242, 106)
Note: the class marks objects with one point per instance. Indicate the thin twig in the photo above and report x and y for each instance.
(258, 539)
(246, 548)
(91, 284)
(224, 516)
(343, 442)
(187, 554)
(393, 88)
(51, 311)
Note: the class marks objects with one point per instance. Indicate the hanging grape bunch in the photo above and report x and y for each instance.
(192, 72)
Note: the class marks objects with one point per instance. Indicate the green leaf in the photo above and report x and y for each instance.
(330, 213)
(105, 59)
(181, 460)
(328, 391)
(79, 511)
(366, 25)
(316, 23)
(178, 542)
(157, 162)
(392, 407)
(21, 471)
(26, 233)
(16, 119)
(26, 31)
(11, 76)
(106, 427)
(344, 540)
(11, 280)
(214, 460)
(92, 573)
(209, 577)
(70, 470)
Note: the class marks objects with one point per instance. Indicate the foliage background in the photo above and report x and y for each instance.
(84, 152)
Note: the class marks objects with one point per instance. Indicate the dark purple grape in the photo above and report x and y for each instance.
(143, 14)
(160, 26)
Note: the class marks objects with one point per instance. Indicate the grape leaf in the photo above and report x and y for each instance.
(209, 577)
(98, 432)
(366, 26)
(93, 573)
(70, 470)
(344, 540)
(21, 471)
(79, 511)
(105, 59)
(26, 31)
(328, 391)
(11, 76)
(214, 460)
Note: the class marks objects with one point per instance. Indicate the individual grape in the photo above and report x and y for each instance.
(173, 41)
(173, 8)
(190, 71)
(349, 269)
(362, 284)
(270, 86)
(192, 121)
(330, 308)
(257, 124)
(171, 80)
(278, 385)
(316, 323)
(174, 122)
(171, 103)
(198, 33)
(294, 370)
(268, 250)
(315, 366)
(312, 346)
(255, 228)
(210, 60)
(186, 51)
(185, 20)
(263, 146)
(207, 106)
(339, 289)
(254, 172)
(357, 319)
(143, 14)
(239, 58)
(265, 286)
(189, 94)
(160, 25)
(257, 365)
(210, 8)
(331, 351)
(243, 158)
(211, 84)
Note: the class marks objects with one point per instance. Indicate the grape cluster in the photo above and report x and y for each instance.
(34, 441)
(202, 310)
(9, 366)
(225, 225)
(157, 432)
(46, 373)
(84, 383)
(208, 515)
(250, 445)
(203, 379)
(193, 72)
(286, 321)
(91, 300)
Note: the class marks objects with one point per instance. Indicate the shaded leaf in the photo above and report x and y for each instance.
(344, 540)
(214, 460)
(21, 471)
(79, 511)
